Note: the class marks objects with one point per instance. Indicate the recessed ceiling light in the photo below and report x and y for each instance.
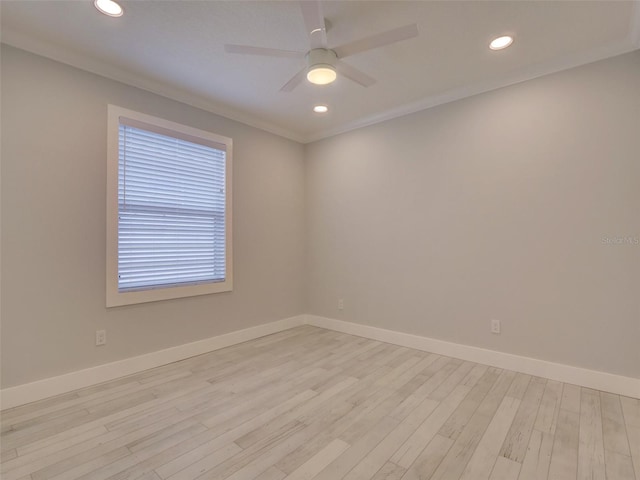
(108, 7)
(321, 109)
(501, 42)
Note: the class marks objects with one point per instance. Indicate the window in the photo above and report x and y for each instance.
(168, 210)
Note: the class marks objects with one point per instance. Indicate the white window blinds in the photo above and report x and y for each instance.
(171, 209)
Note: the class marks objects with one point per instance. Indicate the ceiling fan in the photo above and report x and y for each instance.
(323, 62)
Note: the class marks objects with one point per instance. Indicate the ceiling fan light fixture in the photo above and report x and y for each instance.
(321, 74)
(321, 63)
(501, 42)
(108, 7)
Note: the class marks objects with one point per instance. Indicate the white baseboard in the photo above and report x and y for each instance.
(49, 387)
(607, 382)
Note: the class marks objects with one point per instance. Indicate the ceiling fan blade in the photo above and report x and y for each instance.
(354, 74)
(313, 16)
(295, 81)
(378, 40)
(267, 52)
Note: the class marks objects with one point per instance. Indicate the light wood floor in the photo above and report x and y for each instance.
(315, 404)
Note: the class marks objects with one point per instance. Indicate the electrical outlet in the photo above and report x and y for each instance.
(495, 326)
(340, 304)
(101, 337)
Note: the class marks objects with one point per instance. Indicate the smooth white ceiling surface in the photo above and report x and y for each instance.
(175, 48)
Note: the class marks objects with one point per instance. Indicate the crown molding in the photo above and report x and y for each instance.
(519, 76)
(89, 64)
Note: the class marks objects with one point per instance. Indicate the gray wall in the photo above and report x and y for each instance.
(54, 121)
(495, 206)
(491, 207)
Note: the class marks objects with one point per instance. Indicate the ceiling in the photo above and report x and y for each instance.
(175, 48)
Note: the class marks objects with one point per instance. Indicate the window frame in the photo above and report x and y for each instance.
(114, 297)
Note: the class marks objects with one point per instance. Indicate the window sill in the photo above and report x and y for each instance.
(118, 299)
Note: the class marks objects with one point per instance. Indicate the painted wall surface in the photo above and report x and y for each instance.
(519, 204)
(54, 124)
(522, 204)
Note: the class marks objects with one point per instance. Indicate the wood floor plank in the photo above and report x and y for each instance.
(266, 452)
(232, 413)
(258, 457)
(564, 456)
(633, 433)
(221, 439)
(484, 457)
(315, 404)
(280, 415)
(409, 451)
(39, 459)
(356, 417)
(631, 414)
(549, 407)
(319, 461)
(389, 471)
(474, 375)
(452, 381)
(141, 455)
(421, 377)
(519, 386)
(348, 359)
(330, 425)
(375, 459)
(613, 427)
(631, 409)
(460, 417)
(31, 420)
(272, 473)
(591, 444)
(505, 469)
(148, 476)
(429, 459)
(357, 451)
(52, 444)
(435, 374)
(60, 461)
(73, 431)
(173, 464)
(517, 440)
(84, 468)
(535, 465)
(571, 398)
(463, 448)
(619, 467)
(148, 465)
(381, 405)
(19, 438)
(8, 455)
(617, 454)
(202, 465)
(40, 405)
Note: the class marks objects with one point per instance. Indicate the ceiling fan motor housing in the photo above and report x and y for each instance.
(320, 57)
